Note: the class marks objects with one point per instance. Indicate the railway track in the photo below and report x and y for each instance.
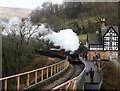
(73, 71)
(77, 69)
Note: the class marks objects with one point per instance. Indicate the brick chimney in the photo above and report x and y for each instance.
(102, 22)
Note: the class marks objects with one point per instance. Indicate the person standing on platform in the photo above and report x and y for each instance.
(91, 75)
(99, 56)
(96, 56)
(99, 59)
(94, 61)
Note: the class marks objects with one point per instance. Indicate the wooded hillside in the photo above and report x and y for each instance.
(81, 17)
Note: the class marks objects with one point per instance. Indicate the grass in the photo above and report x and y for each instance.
(82, 37)
(83, 21)
(111, 78)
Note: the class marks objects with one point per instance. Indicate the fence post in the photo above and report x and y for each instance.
(28, 79)
(66, 87)
(60, 89)
(18, 82)
(65, 62)
(42, 74)
(60, 66)
(55, 69)
(71, 86)
(75, 85)
(35, 77)
(5, 86)
(51, 70)
(63, 65)
(47, 72)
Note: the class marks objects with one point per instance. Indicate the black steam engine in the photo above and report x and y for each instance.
(73, 58)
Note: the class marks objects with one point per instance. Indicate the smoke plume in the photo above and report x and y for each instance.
(66, 39)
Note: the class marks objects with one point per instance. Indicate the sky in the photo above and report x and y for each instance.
(29, 4)
(32, 4)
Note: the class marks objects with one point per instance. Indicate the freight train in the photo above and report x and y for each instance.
(73, 58)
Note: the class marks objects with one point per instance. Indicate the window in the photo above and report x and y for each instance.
(110, 41)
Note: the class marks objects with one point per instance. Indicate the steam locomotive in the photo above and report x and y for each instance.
(73, 58)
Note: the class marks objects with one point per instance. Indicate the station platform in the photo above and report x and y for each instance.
(96, 85)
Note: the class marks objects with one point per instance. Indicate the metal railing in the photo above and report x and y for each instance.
(55, 68)
(73, 83)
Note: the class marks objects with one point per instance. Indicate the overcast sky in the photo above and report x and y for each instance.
(30, 4)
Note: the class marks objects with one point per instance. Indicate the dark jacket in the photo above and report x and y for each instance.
(91, 73)
(93, 58)
(98, 55)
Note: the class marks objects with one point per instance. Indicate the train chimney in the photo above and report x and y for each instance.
(102, 22)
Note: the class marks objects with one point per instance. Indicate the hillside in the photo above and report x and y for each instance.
(111, 77)
(7, 12)
(81, 17)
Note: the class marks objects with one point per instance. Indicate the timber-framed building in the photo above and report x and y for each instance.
(105, 42)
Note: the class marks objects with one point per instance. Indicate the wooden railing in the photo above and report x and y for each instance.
(71, 84)
(55, 68)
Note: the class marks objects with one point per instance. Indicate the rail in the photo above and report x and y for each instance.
(45, 70)
(71, 84)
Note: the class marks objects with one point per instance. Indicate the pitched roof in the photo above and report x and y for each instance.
(94, 38)
(104, 29)
(116, 28)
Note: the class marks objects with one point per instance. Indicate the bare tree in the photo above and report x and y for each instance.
(19, 33)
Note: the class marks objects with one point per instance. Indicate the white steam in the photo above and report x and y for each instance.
(43, 30)
(13, 24)
(66, 39)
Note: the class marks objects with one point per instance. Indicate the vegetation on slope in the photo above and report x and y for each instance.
(111, 77)
(81, 17)
(40, 61)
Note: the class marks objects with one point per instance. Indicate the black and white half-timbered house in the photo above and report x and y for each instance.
(105, 42)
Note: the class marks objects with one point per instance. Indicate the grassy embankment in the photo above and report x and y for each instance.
(111, 77)
(41, 61)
